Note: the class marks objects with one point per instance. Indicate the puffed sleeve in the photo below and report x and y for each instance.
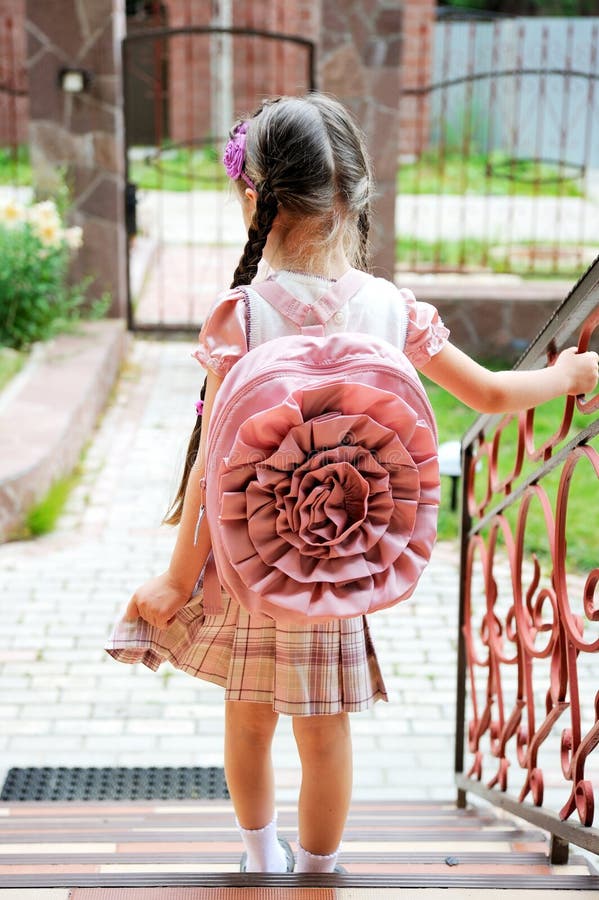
(426, 334)
(222, 340)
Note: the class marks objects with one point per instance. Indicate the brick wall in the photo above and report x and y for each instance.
(14, 109)
(416, 64)
(260, 67)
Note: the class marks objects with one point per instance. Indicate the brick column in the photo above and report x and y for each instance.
(14, 107)
(416, 67)
(82, 133)
(359, 62)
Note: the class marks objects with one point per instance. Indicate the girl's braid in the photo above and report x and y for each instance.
(364, 229)
(264, 216)
(173, 515)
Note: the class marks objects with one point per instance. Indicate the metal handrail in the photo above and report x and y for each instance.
(541, 607)
(499, 73)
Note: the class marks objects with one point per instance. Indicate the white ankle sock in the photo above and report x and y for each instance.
(264, 853)
(310, 862)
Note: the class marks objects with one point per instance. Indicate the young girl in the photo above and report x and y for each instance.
(303, 180)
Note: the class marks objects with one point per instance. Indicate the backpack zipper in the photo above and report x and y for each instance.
(266, 376)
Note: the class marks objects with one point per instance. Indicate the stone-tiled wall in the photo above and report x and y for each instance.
(190, 63)
(493, 318)
(82, 133)
(360, 63)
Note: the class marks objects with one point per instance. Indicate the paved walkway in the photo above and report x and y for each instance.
(64, 701)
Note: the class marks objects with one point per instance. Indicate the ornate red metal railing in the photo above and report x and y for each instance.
(528, 679)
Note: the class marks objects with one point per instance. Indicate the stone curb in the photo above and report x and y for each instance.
(478, 288)
(49, 412)
(489, 316)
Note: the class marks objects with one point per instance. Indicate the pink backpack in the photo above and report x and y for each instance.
(322, 486)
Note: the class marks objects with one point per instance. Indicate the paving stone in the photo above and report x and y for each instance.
(90, 726)
(367, 775)
(30, 726)
(54, 712)
(173, 726)
(107, 747)
(192, 747)
(24, 696)
(24, 751)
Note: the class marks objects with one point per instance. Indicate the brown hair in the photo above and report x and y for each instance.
(307, 159)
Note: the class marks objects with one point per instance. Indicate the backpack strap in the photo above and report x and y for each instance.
(297, 311)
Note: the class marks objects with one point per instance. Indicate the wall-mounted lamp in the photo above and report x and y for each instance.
(74, 81)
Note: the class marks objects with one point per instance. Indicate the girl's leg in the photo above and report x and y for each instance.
(249, 729)
(324, 745)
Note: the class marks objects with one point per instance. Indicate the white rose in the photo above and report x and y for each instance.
(74, 237)
(46, 209)
(48, 233)
(44, 214)
(12, 213)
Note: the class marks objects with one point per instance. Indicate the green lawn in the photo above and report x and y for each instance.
(11, 362)
(172, 170)
(42, 518)
(479, 174)
(453, 419)
(179, 170)
(524, 258)
(183, 169)
(15, 168)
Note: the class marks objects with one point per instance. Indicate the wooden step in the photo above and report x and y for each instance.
(190, 850)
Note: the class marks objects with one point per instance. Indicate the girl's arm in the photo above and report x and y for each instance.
(508, 391)
(158, 599)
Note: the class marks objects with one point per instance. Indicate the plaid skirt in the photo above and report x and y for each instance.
(300, 670)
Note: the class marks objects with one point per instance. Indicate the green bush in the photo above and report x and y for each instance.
(36, 301)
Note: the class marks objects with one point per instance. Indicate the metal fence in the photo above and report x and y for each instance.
(505, 174)
(529, 656)
(187, 235)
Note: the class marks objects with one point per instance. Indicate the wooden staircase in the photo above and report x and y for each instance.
(189, 850)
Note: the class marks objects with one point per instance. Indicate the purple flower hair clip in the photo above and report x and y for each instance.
(234, 155)
(200, 407)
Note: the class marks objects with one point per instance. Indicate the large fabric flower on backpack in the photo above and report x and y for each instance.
(328, 503)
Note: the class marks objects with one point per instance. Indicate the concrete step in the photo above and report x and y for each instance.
(190, 849)
(49, 410)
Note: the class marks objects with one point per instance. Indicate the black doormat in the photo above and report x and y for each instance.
(80, 784)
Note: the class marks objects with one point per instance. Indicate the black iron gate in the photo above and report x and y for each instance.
(184, 87)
